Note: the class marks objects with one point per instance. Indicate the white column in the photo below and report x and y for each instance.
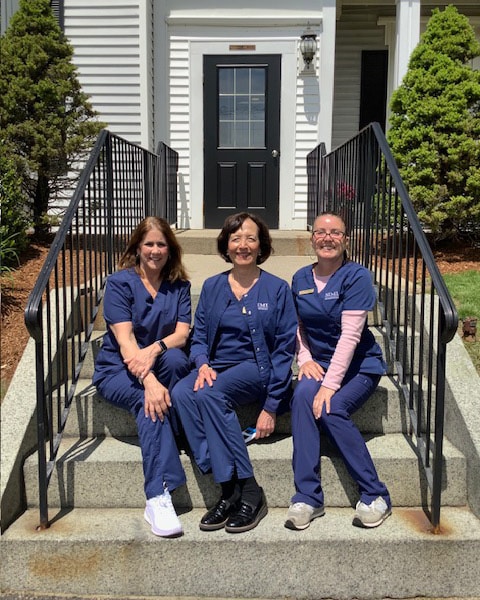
(408, 36)
(145, 9)
(327, 72)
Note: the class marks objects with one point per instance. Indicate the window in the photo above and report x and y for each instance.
(241, 107)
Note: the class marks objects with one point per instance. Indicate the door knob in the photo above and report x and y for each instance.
(275, 153)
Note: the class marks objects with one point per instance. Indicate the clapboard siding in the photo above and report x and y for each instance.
(179, 107)
(306, 137)
(114, 62)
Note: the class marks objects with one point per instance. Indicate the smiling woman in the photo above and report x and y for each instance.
(340, 365)
(147, 309)
(454, 257)
(242, 348)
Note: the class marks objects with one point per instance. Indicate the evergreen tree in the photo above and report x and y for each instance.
(47, 122)
(435, 126)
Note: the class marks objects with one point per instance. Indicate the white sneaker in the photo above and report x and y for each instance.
(371, 515)
(161, 516)
(300, 515)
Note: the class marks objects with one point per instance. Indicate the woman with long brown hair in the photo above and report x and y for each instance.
(147, 309)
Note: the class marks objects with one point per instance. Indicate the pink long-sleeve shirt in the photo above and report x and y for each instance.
(353, 322)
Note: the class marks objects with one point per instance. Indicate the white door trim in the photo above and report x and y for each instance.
(288, 49)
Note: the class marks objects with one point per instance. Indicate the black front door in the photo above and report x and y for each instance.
(241, 137)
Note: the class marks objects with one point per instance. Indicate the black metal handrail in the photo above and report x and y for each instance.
(120, 184)
(361, 181)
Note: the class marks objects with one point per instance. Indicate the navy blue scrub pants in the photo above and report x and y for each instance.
(341, 430)
(161, 462)
(210, 422)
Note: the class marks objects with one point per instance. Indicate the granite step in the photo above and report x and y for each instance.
(91, 415)
(106, 472)
(112, 552)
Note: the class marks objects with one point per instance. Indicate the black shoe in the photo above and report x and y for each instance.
(217, 516)
(247, 517)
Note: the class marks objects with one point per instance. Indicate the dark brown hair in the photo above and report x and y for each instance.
(173, 269)
(332, 213)
(233, 224)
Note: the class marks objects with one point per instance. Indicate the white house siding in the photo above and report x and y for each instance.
(306, 139)
(355, 32)
(7, 8)
(112, 42)
(180, 130)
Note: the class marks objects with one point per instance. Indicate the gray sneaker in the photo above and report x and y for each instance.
(371, 515)
(300, 515)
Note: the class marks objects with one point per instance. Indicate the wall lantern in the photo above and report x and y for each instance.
(308, 48)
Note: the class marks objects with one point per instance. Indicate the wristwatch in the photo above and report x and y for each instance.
(163, 346)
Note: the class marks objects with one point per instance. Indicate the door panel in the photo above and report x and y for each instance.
(241, 136)
(373, 87)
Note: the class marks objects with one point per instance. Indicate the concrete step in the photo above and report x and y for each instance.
(90, 415)
(107, 472)
(112, 552)
(285, 243)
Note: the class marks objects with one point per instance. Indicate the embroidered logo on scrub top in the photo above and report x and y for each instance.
(331, 295)
(262, 305)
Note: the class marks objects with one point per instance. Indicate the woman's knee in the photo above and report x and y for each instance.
(304, 394)
(206, 396)
(182, 391)
(173, 366)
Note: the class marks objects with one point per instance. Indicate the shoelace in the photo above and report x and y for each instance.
(165, 500)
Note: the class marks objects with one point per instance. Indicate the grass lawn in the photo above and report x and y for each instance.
(465, 291)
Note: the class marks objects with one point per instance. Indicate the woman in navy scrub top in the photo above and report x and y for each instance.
(147, 309)
(242, 347)
(340, 365)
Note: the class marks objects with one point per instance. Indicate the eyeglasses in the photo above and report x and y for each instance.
(335, 234)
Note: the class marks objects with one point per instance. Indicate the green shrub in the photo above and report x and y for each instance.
(45, 117)
(14, 214)
(435, 127)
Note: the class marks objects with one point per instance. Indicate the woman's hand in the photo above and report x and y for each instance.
(323, 396)
(265, 424)
(205, 375)
(157, 399)
(140, 363)
(311, 370)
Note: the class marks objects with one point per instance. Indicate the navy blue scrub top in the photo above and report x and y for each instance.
(126, 299)
(234, 341)
(349, 288)
(272, 322)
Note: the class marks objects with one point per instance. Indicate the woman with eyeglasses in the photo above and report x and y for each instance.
(242, 347)
(340, 365)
